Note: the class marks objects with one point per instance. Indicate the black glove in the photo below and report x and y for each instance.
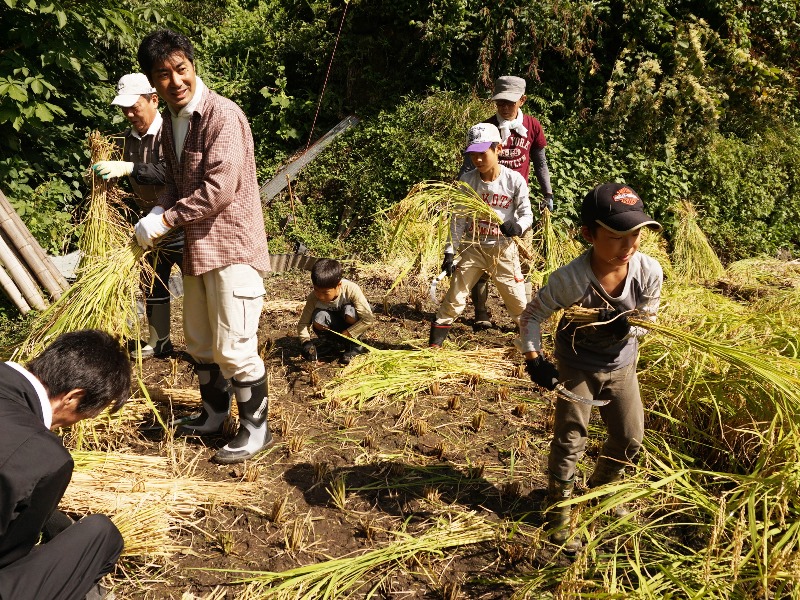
(309, 350)
(546, 202)
(614, 322)
(511, 229)
(542, 372)
(447, 263)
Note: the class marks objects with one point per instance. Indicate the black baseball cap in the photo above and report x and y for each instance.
(616, 207)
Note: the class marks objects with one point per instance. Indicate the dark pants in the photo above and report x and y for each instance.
(623, 417)
(66, 567)
(325, 321)
(162, 260)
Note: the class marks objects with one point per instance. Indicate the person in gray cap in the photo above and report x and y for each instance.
(143, 164)
(523, 143)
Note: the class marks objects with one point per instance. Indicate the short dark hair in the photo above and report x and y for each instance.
(88, 359)
(158, 46)
(326, 273)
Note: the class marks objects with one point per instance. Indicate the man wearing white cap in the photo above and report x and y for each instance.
(144, 166)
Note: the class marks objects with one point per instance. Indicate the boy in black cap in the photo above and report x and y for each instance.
(597, 360)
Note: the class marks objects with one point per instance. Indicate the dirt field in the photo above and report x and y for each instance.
(471, 448)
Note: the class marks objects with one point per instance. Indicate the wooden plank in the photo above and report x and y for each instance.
(288, 173)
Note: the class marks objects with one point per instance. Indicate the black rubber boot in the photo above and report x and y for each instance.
(438, 335)
(253, 436)
(558, 517)
(216, 396)
(480, 296)
(608, 470)
(158, 343)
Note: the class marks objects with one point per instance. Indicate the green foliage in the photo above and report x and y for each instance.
(371, 168)
(55, 64)
(749, 192)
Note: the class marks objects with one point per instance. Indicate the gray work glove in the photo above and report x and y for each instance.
(546, 202)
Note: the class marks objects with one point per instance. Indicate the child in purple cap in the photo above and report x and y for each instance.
(599, 360)
(523, 145)
(485, 247)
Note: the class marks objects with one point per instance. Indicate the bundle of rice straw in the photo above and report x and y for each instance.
(692, 256)
(108, 280)
(421, 223)
(403, 373)
(553, 247)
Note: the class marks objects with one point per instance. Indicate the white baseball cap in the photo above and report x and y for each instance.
(130, 87)
(481, 136)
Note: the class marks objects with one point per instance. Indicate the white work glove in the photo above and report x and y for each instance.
(110, 169)
(151, 227)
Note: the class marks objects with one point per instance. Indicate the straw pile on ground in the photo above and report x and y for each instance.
(147, 499)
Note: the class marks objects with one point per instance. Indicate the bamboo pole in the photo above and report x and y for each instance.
(54, 282)
(21, 277)
(12, 291)
(25, 247)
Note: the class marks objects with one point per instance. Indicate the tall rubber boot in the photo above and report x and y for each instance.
(438, 335)
(253, 436)
(216, 396)
(557, 518)
(158, 343)
(480, 296)
(607, 471)
(528, 290)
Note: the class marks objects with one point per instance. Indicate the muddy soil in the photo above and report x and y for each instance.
(402, 462)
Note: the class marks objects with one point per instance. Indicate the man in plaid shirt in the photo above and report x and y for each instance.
(212, 192)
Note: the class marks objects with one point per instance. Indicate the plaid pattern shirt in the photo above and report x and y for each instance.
(213, 191)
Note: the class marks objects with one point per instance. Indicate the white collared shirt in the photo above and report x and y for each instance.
(181, 119)
(44, 399)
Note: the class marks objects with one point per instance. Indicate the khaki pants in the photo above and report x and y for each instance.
(623, 416)
(221, 309)
(501, 262)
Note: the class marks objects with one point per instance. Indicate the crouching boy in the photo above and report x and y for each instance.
(598, 360)
(335, 306)
(486, 247)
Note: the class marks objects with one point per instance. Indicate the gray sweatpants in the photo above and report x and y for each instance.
(623, 416)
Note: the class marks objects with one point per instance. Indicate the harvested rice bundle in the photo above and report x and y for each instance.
(553, 247)
(768, 370)
(693, 257)
(109, 278)
(403, 373)
(421, 223)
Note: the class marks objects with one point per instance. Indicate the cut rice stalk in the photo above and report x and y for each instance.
(402, 373)
(340, 577)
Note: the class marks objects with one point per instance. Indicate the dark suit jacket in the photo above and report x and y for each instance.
(35, 468)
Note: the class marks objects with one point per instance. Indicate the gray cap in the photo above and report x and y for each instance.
(509, 88)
